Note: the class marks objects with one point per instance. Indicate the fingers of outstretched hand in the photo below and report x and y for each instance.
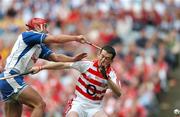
(83, 55)
(80, 56)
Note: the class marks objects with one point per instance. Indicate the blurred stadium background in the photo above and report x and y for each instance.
(145, 34)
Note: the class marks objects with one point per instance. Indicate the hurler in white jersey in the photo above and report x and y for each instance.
(29, 46)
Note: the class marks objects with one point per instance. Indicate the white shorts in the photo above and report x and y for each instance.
(83, 107)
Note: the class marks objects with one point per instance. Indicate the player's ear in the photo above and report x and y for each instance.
(112, 59)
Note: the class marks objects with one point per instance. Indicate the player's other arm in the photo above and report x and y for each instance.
(57, 65)
(52, 66)
(63, 58)
(80, 66)
(63, 38)
(114, 87)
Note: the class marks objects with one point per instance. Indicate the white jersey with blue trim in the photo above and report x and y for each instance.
(26, 50)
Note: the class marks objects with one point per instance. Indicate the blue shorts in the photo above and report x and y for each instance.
(11, 86)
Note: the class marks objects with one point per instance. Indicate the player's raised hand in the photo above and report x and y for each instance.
(81, 39)
(78, 57)
(103, 72)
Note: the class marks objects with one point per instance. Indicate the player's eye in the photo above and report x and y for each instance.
(107, 58)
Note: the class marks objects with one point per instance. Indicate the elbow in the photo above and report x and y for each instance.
(118, 93)
(54, 58)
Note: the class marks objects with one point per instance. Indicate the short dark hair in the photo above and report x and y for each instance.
(110, 50)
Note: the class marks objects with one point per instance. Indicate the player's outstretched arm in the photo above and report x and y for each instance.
(63, 58)
(52, 66)
(63, 38)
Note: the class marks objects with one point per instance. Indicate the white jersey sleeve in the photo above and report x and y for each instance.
(82, 66)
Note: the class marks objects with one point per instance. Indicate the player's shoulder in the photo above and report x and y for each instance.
(112, 69)
(28, 33)
(83, 63)
(87, 61)
(112, 72)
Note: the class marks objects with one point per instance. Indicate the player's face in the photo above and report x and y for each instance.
(105, 58)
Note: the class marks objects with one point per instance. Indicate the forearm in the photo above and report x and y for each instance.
(63, 58)
(114, 87)
(60, 38)
(66, 38)
(56, 65)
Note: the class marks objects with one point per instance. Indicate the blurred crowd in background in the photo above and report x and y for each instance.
(145, 34)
